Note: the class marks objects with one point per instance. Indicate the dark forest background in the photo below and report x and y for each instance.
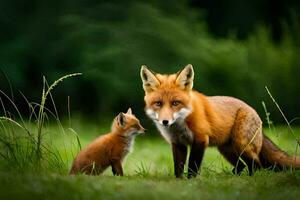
(236, 47)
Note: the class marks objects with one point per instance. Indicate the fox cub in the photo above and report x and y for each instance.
(110, 149)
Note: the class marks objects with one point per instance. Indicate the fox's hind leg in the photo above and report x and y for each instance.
(247, 138)
(231, 156)
(252, 163)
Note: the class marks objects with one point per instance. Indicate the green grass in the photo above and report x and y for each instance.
(36, 155)
(148, 173)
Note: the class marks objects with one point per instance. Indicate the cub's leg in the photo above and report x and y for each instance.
(116, 167)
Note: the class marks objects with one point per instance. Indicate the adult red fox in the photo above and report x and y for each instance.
(186, 117)
(110, 149)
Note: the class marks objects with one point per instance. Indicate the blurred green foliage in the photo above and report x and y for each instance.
(108, 41)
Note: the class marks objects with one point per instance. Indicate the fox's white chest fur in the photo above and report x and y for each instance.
(178, 132)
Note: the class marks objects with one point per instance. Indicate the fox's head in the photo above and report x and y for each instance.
(127, 124)
(167, 97)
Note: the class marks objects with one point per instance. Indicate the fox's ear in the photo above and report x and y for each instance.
(185, 78)
(150, 82)
(129, 111)
(121, 119)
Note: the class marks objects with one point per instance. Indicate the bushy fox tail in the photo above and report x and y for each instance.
(272, 156)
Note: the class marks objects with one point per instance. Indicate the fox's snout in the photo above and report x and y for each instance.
(166, 122)
(142, 130)
(168, 118)
(160, 117)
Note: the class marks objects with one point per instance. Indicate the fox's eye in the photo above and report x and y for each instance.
(158, 103)
(175, 103)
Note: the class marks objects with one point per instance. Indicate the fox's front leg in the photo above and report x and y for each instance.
(179, 158)
(116, 167)
(196, 155)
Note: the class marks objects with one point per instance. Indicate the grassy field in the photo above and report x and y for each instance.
(148, 174)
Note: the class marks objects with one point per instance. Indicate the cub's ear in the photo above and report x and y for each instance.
(121, 119)
(185, 78)
(129, 111)
(150, 82)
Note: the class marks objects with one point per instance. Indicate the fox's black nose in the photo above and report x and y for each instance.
(165, 122)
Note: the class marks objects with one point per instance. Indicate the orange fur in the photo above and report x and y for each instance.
(226, 122)
(110, 149)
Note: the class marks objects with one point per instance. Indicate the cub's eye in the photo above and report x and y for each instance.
(175, 103)
(158, 103)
